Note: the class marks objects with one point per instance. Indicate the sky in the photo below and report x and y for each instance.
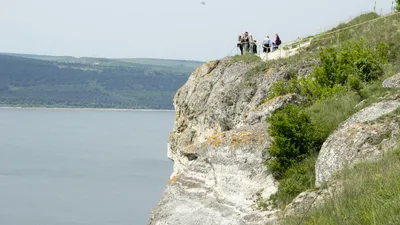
(170, 29)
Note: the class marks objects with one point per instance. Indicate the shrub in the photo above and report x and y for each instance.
(294, 138)
(355, 62)
(353, 58)
(282, 88)
(322, 119)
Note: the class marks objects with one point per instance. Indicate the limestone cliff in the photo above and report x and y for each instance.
(220, 142)
(218, 146)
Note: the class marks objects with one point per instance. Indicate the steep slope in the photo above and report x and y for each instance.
(219, 144)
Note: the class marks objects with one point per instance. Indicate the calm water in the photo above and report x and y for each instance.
(70, 167)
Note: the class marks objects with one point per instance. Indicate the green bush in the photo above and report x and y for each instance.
(294, 138)
(355, 58)
(340, 69)
(282, 88)
(318, 121)
(397, 7)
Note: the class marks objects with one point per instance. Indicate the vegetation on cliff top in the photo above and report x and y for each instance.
(350, 65)
(398, 5)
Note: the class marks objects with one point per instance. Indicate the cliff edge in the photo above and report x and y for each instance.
(219, 144)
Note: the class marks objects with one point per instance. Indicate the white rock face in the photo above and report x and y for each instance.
(361, 137)
(219, 146)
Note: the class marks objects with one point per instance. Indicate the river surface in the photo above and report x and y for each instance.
(82, 167)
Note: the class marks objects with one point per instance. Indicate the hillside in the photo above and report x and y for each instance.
(271, 142)
(51, 81)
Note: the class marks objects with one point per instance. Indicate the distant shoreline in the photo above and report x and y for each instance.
(91, 109)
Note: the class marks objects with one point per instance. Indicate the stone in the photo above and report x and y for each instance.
(364, 136)
(392, 82)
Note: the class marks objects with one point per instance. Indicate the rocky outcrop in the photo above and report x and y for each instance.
(218, 146)
(220, 143)
(305, 201)
(392, 82)
(364, 136)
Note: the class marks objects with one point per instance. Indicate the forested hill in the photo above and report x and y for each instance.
(58, 81)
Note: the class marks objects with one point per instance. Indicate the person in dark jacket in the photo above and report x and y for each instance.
(255, 47)
(277, 40)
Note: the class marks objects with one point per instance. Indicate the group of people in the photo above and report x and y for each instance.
(246, 43)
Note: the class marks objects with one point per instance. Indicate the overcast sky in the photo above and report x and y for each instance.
(174, 29)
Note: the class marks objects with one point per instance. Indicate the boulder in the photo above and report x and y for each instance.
(392, 82)
(364, 136)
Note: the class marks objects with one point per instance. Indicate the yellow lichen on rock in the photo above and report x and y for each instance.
(206, 68)
(242, 138)
(215, 140)
(269, 72)
(190, 148)
(173, 179)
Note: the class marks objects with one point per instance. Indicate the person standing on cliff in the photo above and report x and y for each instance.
(267, 44)
(277, 41)
(254, 47)
(244, 41)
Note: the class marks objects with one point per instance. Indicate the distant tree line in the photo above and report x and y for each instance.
(32, 82)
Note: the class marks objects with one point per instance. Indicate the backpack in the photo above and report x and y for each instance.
(278, 42)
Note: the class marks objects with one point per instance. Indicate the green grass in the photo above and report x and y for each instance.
(357, 20)
(374, 31)
(370, 195)
(296, 179)
(248, 58)
(327, 114)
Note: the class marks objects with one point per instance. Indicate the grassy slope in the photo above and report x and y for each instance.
(328, 113)
(371, 195)
(371, 190)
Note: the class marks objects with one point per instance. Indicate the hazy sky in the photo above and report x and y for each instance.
(177, 29)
